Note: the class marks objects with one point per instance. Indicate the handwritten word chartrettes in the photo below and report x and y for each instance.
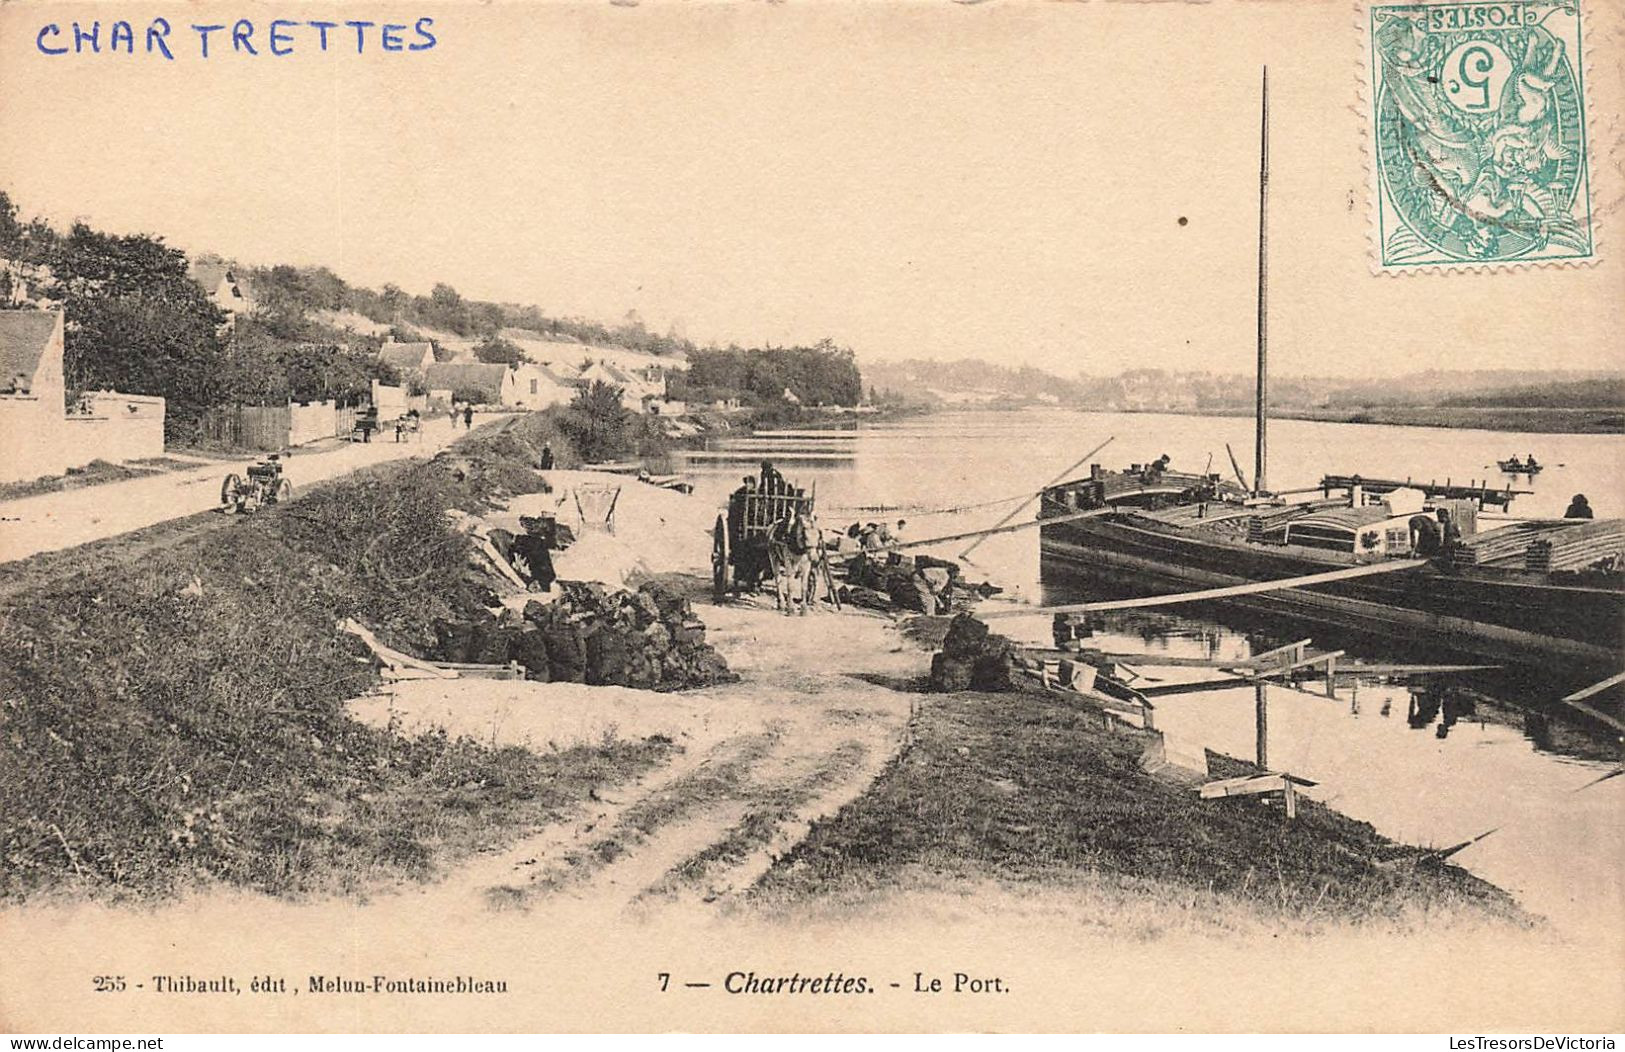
(280, 36)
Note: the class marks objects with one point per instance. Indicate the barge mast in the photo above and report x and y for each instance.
(1261, 437)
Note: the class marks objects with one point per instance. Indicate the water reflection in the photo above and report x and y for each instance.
(1433, 763)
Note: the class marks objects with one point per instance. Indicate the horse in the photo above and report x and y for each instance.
(793, 543)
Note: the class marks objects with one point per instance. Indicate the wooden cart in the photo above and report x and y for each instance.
(739, 539)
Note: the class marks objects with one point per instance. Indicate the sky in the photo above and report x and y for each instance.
(1004, 181)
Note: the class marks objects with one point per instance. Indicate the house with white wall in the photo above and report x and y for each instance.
(38, 436)
(220, 284)
(537, 387)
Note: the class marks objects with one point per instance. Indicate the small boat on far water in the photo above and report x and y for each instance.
(1515, 466)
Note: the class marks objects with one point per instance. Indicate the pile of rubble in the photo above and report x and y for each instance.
(648, 639)
(973, 658)
(891, 581)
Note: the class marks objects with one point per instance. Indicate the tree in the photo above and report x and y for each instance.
(11, 231)
(137, 323)
(494, 350)
(597, 423)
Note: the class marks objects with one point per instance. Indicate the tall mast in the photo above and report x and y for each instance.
(1261, 439)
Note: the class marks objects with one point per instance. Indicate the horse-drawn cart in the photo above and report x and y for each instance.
(765, 510)
(740, 540)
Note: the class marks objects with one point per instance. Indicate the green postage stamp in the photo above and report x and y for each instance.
(1479, 134)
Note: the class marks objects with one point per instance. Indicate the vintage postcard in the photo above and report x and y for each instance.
(532, 517)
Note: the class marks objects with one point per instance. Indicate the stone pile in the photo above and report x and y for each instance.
(648, 639)
(973, 658)
(927, 585)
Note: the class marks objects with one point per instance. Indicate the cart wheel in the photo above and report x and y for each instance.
(229, 488)
(283, 492)
(719, 559)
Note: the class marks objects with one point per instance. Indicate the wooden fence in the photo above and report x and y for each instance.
(248, 426)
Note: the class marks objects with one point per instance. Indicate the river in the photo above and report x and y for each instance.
(1426, 775)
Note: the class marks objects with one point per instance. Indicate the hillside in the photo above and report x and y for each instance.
(973, 381)
(968, 381)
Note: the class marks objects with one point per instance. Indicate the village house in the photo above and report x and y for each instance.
(39, 436)
(633, 387)
(408, 359)
(473, 382)
(537, 387)
(220, 283)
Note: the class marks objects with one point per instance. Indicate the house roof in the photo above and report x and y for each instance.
(24, 337)
(209, 275)
(449, 376)
(405, 355)
(604, 368)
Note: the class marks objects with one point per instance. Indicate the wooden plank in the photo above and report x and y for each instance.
(494, 557)
(1291, 648)
(906, 545)
(1307, 660)
(1344, 668)
(1248, 784)
(1163, 690)
(1596, 688)
(1597, 714)
(1062, 477)
(392, 657)
(1208, 594)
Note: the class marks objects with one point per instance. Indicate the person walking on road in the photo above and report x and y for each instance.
(468, 418)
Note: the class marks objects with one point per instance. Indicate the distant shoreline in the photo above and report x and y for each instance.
(1532, 420)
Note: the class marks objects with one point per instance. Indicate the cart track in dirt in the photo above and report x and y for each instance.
(702, 829)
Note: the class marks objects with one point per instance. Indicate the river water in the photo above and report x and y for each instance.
(1428, 775)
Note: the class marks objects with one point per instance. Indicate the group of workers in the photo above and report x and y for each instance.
(873, 536)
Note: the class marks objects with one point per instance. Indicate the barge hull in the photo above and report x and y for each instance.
(1574, 630)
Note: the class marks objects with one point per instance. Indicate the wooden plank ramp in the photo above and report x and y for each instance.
(988, 532)
(1210, 594)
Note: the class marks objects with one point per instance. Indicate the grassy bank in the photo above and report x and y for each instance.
(1024, 793)
(1534, 420)
(174, 713)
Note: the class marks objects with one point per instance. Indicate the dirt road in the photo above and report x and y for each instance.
(53, 521)
(758, 761)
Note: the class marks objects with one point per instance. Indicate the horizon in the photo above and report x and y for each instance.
(1076, 192)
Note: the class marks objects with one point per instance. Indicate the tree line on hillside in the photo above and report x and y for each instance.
(823, 374)
(289, 291)
(136, 321)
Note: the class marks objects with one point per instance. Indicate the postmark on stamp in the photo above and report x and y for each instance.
(1479, 134)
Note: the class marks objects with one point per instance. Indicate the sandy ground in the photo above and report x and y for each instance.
(655, 530)
(50, 522)
(793, 740)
